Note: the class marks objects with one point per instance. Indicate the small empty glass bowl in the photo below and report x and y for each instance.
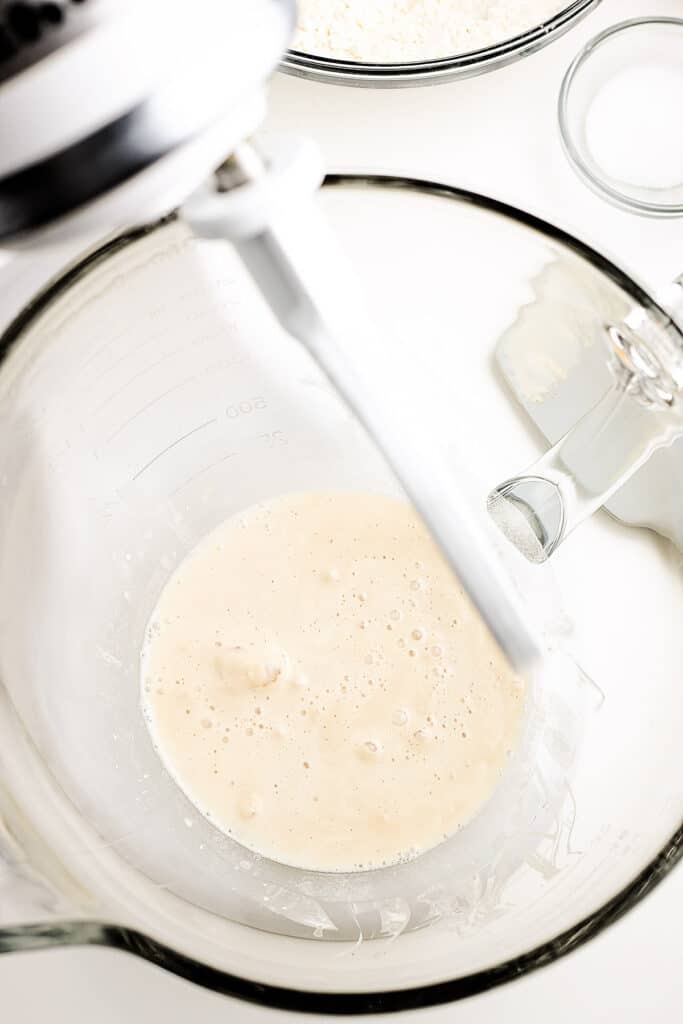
(620, 115)
(462, 65)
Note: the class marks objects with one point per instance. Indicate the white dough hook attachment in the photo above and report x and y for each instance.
(265, 208)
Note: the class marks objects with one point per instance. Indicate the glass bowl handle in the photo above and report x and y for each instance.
(41, 902)
(33, 915)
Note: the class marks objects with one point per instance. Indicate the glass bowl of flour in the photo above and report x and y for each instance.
(388, 43)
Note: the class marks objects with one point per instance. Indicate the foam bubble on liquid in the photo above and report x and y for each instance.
(240, 668)
(250, 805)
(370, 750)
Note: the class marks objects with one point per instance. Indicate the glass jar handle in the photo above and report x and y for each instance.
(39, 900)
(641, 412)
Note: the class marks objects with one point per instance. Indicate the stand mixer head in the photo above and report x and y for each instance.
(168, 132)
(114, 111)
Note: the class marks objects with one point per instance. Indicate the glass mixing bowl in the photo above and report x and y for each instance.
(147, 394)
(461, 65)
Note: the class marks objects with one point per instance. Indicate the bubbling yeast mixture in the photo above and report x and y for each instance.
(319, 685)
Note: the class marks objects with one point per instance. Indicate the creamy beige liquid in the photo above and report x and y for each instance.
(319, 685)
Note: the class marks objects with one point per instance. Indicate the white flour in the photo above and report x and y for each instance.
(398, 31)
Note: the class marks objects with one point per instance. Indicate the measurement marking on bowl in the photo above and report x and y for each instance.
(133, 351)
(248, 405)
(146, 406)
(224, 363)
(147, 369)
(274, 438)
(200, 472)
(109, 343)
(195, 430)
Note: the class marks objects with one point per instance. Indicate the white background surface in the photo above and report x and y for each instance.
(496, 134)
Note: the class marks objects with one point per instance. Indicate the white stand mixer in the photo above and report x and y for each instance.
(137, 145)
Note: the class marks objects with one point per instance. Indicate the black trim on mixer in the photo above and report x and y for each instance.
(31, 30)
(40, 193)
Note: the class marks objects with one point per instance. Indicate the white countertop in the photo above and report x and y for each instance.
(496, 134)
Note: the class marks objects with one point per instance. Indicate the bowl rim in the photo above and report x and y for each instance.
(462, 65)
(101, 933)
(573, 152)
